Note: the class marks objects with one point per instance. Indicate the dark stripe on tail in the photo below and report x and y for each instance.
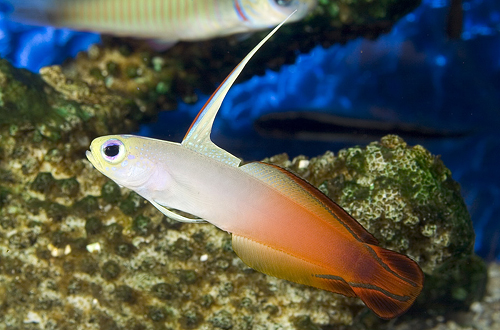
(381, 304)
(364, 286)
(403, 270)
(329, 277)
(385, 292)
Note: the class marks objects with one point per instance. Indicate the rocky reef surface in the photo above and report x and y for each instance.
(78, 252)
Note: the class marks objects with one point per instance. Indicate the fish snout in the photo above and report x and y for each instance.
(91, 158)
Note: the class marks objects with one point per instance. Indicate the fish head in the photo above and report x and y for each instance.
(122, 158)
(266, 13)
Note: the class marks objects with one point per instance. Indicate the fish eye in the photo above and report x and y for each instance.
(284, 3)
(113, 151)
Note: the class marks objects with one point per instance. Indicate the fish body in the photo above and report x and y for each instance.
(162, 20)
(280, 224)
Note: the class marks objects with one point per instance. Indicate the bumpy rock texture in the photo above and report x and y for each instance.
(78, 252)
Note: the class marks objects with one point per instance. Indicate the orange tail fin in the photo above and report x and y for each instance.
(393, 287)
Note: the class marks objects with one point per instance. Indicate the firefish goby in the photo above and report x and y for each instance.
(280, 224)
(165, 21)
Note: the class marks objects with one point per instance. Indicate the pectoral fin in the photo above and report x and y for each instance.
(198, 136)
(173, 215)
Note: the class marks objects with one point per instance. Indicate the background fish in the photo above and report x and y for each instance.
(162, 20)
(455, 20)
(324, 126)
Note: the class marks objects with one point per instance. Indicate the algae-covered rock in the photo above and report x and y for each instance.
(106, 259)
(61, 110)
(22, 97)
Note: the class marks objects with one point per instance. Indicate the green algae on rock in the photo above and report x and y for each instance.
(53, 106)
(108, 260)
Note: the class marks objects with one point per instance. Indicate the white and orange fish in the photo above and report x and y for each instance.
(280, 224)
(161, 20)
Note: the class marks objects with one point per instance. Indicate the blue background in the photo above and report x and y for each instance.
(415, 74)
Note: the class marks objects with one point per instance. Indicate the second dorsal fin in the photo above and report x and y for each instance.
(311, 198)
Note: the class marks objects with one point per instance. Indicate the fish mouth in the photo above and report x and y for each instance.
(90, 157)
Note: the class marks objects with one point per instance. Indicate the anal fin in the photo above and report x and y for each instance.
(270, 261)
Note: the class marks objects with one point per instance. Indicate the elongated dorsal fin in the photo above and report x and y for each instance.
(198, 136)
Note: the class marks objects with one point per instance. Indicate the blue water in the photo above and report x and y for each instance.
(414, 74)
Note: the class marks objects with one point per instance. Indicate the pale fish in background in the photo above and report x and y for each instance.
(280, 224)
(165, 21)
